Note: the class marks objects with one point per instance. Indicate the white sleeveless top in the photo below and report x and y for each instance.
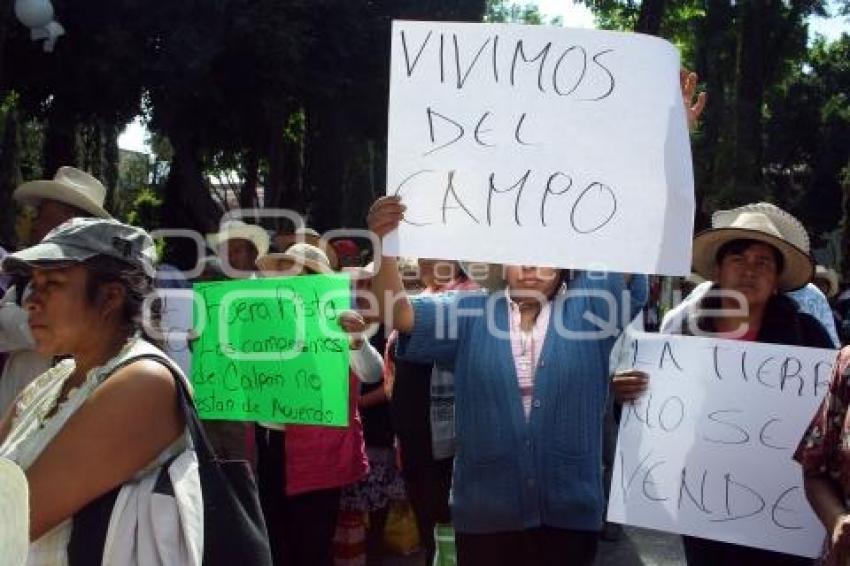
(32, 431)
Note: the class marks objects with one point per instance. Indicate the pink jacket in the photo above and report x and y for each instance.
(325, 457)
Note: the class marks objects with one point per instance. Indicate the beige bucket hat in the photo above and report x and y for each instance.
(238, 230)
(301, 254)
(763, 222)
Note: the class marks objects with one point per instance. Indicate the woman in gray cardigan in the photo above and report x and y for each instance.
(531, 380)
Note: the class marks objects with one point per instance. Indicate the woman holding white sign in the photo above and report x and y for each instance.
(754, 255)
(531, 381)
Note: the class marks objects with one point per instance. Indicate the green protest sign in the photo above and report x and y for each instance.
(272, 350)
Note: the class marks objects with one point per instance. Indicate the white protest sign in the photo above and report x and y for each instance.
(175, 324)
(707, 450)
(539, 145)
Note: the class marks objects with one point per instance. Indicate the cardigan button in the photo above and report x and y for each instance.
(537, 403)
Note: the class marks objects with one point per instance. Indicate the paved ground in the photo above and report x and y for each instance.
(637, 547)
(642, 547)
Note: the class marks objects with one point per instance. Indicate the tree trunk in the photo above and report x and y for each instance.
(325, 163)
(293, 196)
(10, 178)
(275, 157)
(111, 164)
(187, 203)
(248, 191)
(714, 59)
(60, 141)
(91, 149)
(650, 16)
(284, 185)
(7, 19)
(749, 101)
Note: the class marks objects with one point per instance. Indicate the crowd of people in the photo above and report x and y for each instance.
(491, 429)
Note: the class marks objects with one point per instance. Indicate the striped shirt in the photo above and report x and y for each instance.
(526, 347)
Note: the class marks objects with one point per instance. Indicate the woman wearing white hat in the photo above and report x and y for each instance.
(240, 244)
(71, 193)
(753, 255)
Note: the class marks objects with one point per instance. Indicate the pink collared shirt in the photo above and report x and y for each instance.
(526, 348)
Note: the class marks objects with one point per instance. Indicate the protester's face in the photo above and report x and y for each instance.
(527, 283)
(241, 254)
(49, 215)
(60, 314)
(752, 272)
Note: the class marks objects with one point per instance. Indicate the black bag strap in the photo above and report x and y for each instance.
(90, 524)
(200, 440)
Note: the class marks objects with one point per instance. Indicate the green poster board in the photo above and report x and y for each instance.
(272, 350)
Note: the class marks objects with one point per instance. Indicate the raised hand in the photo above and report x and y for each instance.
(385, 215)
(694, 107)
(629, 385)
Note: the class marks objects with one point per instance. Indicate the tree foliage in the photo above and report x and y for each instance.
(289, 99)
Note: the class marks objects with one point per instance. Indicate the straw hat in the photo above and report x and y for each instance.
(69, 186)
(238, 230)
(300, 254)
(830, 276)
(14, 514)
(762, 222)
(309, 236)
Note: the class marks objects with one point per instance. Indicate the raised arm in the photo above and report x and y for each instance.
(393, 305)
(693, 106)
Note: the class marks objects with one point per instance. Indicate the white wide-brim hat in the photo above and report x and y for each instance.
(762, 222)
(307, 235)
(69, 186)
(303, 255)
(830, 276)
(238, 230)
(14, 514)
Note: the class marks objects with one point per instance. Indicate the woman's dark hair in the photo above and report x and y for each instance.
(137, 285)
(740, 246)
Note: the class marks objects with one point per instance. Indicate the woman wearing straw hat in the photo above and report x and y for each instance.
(102, 420)
(752, 255)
